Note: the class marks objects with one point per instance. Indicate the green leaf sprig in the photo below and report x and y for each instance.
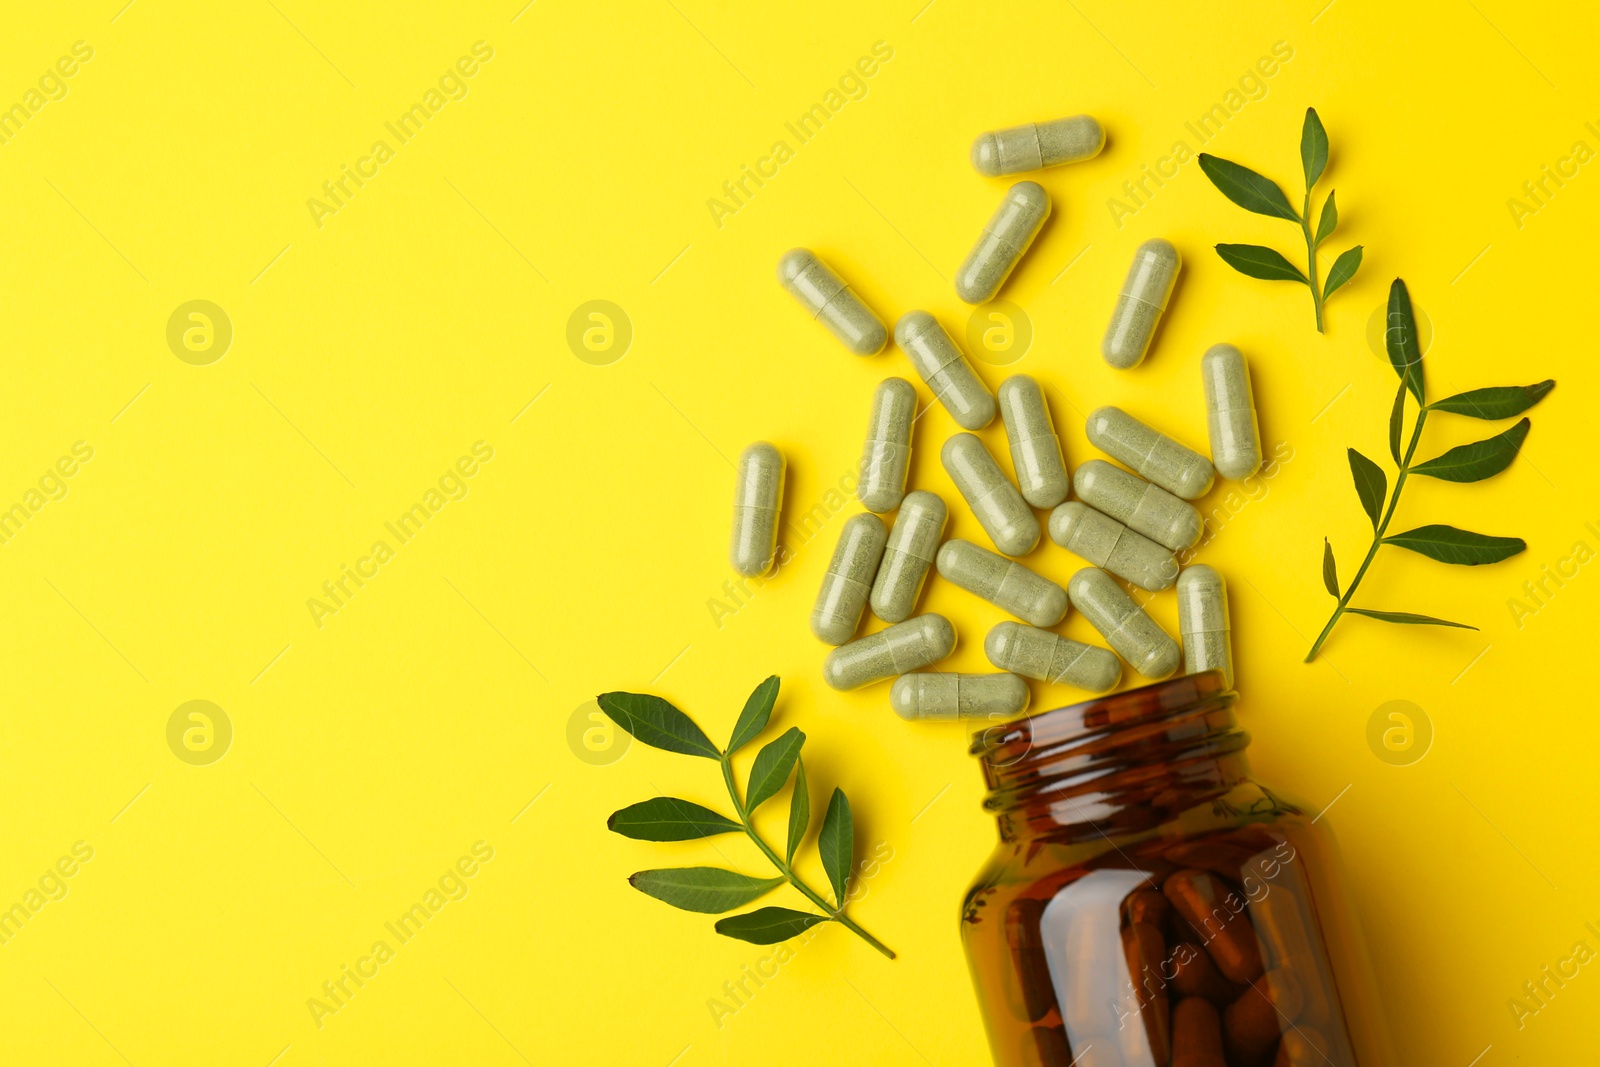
(1464, 463)
(1254, 192)
(712, 890)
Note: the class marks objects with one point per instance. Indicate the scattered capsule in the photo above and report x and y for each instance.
(1144, 298)
(1037, 145)
(1049, 657)
(1009, 233)
(908, 555)
(945, 369)
(1144, 508)
(887, 455)
(1231, 412)
(1035, 447)
(1203, 622)
(1123, 623)
(1108, 544)
(832, 302)
(933, 695)
(1001, 582)
(756, 500)
(901, 649)
(849, 579)
(999, 508)
(1178, 469)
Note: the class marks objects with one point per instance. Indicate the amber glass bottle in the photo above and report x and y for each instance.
(1150, 903)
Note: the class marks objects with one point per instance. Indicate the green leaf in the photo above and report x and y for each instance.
(1400, 339)
(1330, 219)
(669, 819)
(1462, 547)
(837, 844)
(1371, 485)
(768, 926)
(657, 723)
(704, 889)
(1397, 419)
(1406, 618)
(1259, 262)
(799, 810)
(1344, 268)
(1479, 460)
(753, 719)
(1500, 402)
(772, 766)
(1330, 570)
(1313, 147)
(1246, 188)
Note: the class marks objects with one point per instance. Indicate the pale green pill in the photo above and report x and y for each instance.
(910, 551)
(1037, 145)
(1178, 469)
(932, 695)
(1048, 657)
(995, 502)
(1003, 583)
(1011, 230)
(900, 649)
(1035, 447)
(1203, 622)
(756, 499)
(1144, 297)
(887, 455)
(945, 369)
(849, 579)
(1107, 543)
(1134, 502)
(832, 302)
(1231, 412)
(1123, 624)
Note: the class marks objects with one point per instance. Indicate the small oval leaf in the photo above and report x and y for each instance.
(1259, 262)
(753, 719)
(704, 889)
(772, 766)
(657, 723)
(1500, 402)
(799, 810)
(1464, 548)
(1479, 460)
(1406, 618)
(1313, 147)
(1330, 570)
(1372, 485)
(768, 926)
(837, 844)
(1400, 340)
(1245, 187)
(1344, 268)
(1396, 421)
(1329, 220)
(669, 819)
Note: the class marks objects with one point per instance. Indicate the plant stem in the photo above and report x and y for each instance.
(835, 914)
(1377, 537)
(1311, 259)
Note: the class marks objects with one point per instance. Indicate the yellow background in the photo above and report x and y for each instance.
(433, 709)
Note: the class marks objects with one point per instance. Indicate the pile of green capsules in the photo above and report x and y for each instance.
(1127, 524)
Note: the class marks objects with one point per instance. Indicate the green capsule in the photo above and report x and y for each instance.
(1002, 582)
(1145, 508)
(910, 551)
(1037, 145)
(1145, 293)
(1178, 469)
(1048, 657)
(999, 508)
(1035, 448)
(1203, 622)
(900, 649)
(1231, 412)
(832, 302)
(756, 500)
(945, 369)
(887, 455)
(934, 695)
(1010, 231)
(1124, 624)
(1107, 543)
(849, 579)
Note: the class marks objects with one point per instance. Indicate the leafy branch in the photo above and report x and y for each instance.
(1254, 192)
(712, 890)
(1464, 463)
